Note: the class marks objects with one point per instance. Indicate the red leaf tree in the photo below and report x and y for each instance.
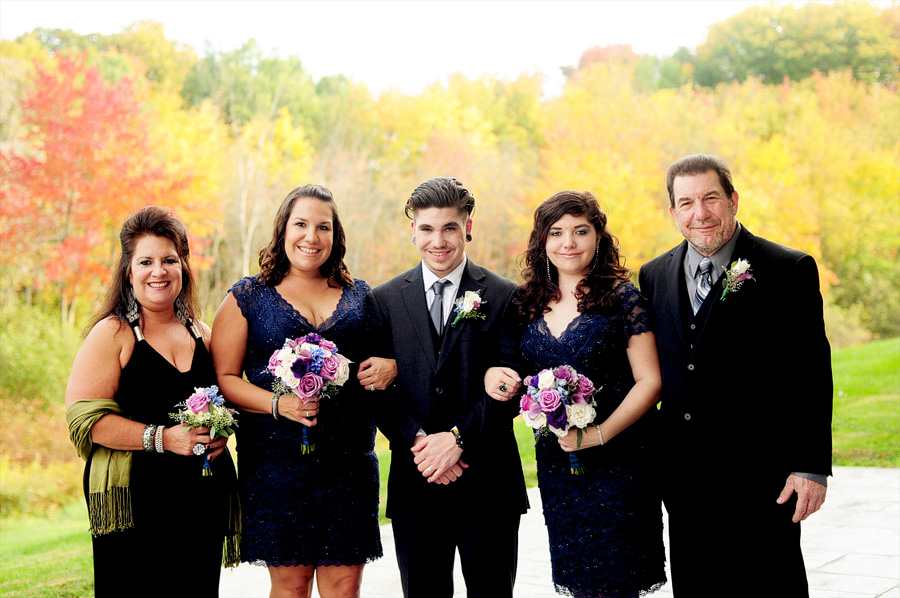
(85, 166)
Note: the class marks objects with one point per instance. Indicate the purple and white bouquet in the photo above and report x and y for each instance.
(206, 408)
(556, 400)
(311, 368)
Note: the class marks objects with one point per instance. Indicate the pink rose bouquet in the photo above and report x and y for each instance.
(311, 368)
(556, 400)
(206, 408)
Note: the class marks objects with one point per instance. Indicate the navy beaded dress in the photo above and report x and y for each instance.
(320, 508)
(605, 525)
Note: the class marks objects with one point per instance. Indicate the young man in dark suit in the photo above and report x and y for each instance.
(746, 396)
(456, 479)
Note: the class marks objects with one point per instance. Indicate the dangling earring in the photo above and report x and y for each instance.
(180, 311)
(413, 240)
(596, 259)
(549, 278)
(133, 313)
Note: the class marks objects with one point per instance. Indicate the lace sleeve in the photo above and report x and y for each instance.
(243, 292)
(635, 310)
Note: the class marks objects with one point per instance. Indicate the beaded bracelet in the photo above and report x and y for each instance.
(600, 434)
(157, 439)
(275, 406)
(147, 438)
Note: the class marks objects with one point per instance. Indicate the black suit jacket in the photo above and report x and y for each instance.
(436, 392)
(751, 398)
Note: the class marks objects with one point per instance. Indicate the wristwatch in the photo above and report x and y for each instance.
(456, 435)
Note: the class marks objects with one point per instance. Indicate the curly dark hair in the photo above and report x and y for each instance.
(274, 263)
(147, 221)
(597, 289)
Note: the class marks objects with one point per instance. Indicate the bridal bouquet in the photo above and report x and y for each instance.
(311, 368)
(556, 400)
(206, 408)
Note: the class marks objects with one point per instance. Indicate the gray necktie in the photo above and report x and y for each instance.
(704, 284)
(437, 306)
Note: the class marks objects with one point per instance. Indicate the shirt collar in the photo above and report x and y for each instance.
(719, 259)
(455, 277)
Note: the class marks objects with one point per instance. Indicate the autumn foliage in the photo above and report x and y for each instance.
(812, 134)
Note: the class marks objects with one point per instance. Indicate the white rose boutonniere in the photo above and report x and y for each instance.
(735, 276)
(468, 307)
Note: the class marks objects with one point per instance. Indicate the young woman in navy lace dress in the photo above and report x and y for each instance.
(305, 516)
(604, 525)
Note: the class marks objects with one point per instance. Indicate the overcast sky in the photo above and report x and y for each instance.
(405, 45)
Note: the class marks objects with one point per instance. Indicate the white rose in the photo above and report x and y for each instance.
(546, 379)
(580, 415)
(343, 372)
(742, 266)
(538, 422)
(286, 355)
(558, 432)
(469, 300)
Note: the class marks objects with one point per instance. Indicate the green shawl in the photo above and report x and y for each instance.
(109, 498)
(109, 495)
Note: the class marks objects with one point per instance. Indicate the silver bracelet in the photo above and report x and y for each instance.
(275, 406)
(147, 438)
(600, 434)
(157, 439)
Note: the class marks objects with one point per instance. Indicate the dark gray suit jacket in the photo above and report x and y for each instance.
(437, 391)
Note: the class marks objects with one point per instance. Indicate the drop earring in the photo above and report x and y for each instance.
(549, 278)
(596, 259)
(133, 313)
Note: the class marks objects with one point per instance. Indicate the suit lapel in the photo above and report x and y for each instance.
(675, 294)
(417, 312)
(472, 280)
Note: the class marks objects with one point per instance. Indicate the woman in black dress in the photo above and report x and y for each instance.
(156, 520)
(306, 516)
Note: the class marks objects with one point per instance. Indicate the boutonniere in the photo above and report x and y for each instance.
(735, 276)
(468, 307)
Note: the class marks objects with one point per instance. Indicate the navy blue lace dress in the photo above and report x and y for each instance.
(318, 509)
(605, 525)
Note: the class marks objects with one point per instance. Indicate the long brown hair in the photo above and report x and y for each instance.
(274, 263)
(158, 222)
(596, 290)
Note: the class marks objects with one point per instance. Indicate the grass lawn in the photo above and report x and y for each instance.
(866, 425)
(51, 556)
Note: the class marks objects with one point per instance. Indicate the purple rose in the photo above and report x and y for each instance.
(529, 381)
(578, 398)
(526, 403)
(585, 386)
(329, 367)
(309, 387)
(198, 403)
(328, 345)
(563, 373)
(549, 399)
(273, 361)
(558, 419)
(312, 338)
(299, 367)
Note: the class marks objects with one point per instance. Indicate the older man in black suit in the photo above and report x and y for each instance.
(456, 479)
(746, 396)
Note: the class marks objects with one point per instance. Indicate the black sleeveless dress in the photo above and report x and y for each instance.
(180, 516)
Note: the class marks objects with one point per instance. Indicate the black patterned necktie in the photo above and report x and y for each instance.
(437, 306)
(704, 284)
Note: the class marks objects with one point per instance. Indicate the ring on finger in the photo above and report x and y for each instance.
(307, 413)
(371, 387)
(199, 449)
(502, 387)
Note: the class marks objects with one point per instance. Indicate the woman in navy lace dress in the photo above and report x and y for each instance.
(578, 308)
(305, 516)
